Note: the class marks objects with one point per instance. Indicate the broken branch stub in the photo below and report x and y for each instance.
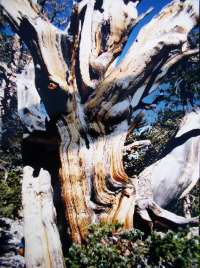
(42, 242)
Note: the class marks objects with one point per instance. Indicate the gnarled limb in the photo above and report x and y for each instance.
(42, 38)
(45, 44)
(173, 176)
(135, 75)
(47, 48)
(184, 155)
(173, 59)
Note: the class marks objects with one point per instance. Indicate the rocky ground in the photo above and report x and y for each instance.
(11, 223)
(11, 233)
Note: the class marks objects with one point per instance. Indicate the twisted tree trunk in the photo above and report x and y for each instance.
(92, 102)
(93, 178)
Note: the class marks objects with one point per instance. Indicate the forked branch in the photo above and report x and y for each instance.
(145, 61)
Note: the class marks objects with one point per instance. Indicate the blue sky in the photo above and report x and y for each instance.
(142, 7)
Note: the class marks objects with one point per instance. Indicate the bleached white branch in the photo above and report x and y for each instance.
(178, 172)
(134, 77)
(42, 38)
(43, 246)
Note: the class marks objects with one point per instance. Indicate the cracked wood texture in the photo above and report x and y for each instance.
(43, 247)
(92, 101)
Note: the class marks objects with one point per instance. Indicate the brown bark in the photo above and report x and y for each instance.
(94, 182)
(93, 102)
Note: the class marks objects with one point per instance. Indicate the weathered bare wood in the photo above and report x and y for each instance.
(170, 63)
(30, 108)
(93, 103)
(132, 79)
(42, 242)
(45, 39)
(183, 160)
(174, 175)
(104, 34)
(87, 167)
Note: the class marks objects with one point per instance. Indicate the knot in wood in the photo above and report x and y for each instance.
(52, 86)
(129, 190)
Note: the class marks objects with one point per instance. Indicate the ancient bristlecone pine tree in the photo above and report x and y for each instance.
(91, 102)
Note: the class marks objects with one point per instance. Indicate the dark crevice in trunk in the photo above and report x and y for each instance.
(41, 150)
